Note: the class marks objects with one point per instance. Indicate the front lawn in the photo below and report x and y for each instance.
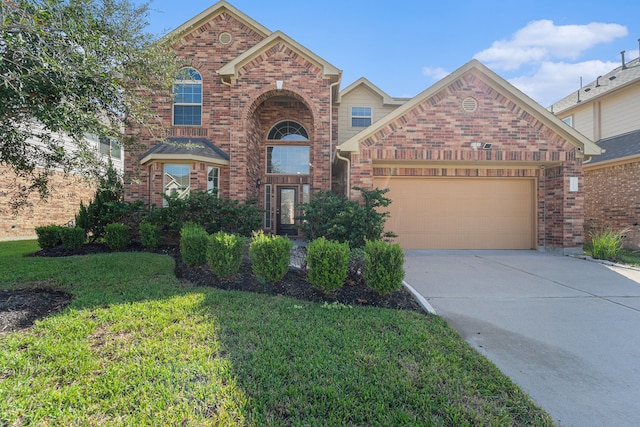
(138, 347)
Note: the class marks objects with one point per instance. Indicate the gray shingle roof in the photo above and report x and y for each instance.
(618, 147)
(201, 147)
(607, 83)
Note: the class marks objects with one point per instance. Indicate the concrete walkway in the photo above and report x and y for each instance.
(566, 330)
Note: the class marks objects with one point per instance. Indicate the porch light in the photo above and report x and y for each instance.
(258, 182)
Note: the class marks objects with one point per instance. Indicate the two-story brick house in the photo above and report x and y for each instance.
(471, 161)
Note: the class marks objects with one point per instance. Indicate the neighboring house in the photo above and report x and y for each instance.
(471, 163)
(66, 193)
(607, 111)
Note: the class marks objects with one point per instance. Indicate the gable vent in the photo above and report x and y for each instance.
(469, 105)
(225, 38)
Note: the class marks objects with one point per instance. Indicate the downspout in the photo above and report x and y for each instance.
(331, 130)
(348, 172)
(229, 183)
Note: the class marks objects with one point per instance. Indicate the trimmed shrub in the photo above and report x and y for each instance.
(606, 243)
(72, 237)
(48, 236)
(224, 253)
(117, 236)
(193, 244)
(384, 266)
(270, 256)
(150, 236)
(356, 266)
(328, 262)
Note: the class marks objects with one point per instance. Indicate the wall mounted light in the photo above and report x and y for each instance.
(258, 182)
(475, 145)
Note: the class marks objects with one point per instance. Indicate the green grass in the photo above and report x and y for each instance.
(630, 257)
(138, 347)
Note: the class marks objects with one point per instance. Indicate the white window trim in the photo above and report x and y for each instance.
(370, 116)
(187, 104)
(210, 185)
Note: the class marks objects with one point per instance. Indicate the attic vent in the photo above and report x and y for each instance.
(225, 38)
(469, 105)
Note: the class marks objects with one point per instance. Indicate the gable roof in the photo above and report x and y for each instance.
(230, 70)
(614, 80)
(186, 149)
(498, 83)
(616, 149)
(216, 9)
(362, 81)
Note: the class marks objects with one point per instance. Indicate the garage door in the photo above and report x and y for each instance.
(461, 213)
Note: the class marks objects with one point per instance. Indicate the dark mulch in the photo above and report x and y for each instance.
(20, 308)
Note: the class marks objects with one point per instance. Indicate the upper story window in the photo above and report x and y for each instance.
(568, 120)
(288, 131)
(187, 102)
(111, 147)
(360, 117)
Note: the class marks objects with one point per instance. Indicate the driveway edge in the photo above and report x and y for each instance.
(421, 300)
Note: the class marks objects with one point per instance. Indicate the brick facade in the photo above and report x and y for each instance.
(67, 191)
(439, 130)
(613, 200)
(237, 114)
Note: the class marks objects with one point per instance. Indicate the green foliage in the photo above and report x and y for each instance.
(356, 266)
(384, 267)
(336, 218)
(212, 212)
(193, 244)
(270, 256)
(72, 237)
(48, 236)
(328, 262)
(150, 235)
(106, 207)
(224, 253)
(607, 243)
(117, 236)
(72, 66)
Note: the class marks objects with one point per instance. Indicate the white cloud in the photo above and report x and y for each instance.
(435, 73)
(553, 81)
(544, 41)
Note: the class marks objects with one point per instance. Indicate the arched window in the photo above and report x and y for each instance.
(288, 158)
(289, 131)
(187, 102)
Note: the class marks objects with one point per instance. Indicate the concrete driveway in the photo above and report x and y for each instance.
(566, 330)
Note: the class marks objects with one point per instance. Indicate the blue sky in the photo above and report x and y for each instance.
(405, 46)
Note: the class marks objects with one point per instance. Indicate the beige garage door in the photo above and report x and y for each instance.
(461, 213)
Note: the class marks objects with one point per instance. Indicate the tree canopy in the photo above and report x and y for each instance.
(71, 68)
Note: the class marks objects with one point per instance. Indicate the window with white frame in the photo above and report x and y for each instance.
(213, 179)
(187, 102)
(176, 180)
(288, 159)
(111, 147)
(568, 120)
(360, 117)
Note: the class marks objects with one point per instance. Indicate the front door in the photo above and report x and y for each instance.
(286, 211)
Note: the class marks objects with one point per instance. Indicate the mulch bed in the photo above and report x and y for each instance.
(20, 308)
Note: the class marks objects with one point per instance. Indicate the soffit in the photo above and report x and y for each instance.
(386, 99)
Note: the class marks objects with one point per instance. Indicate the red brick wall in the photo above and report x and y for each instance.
(60, 208)
(237, 117)
(440, 130)
(612, 200)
